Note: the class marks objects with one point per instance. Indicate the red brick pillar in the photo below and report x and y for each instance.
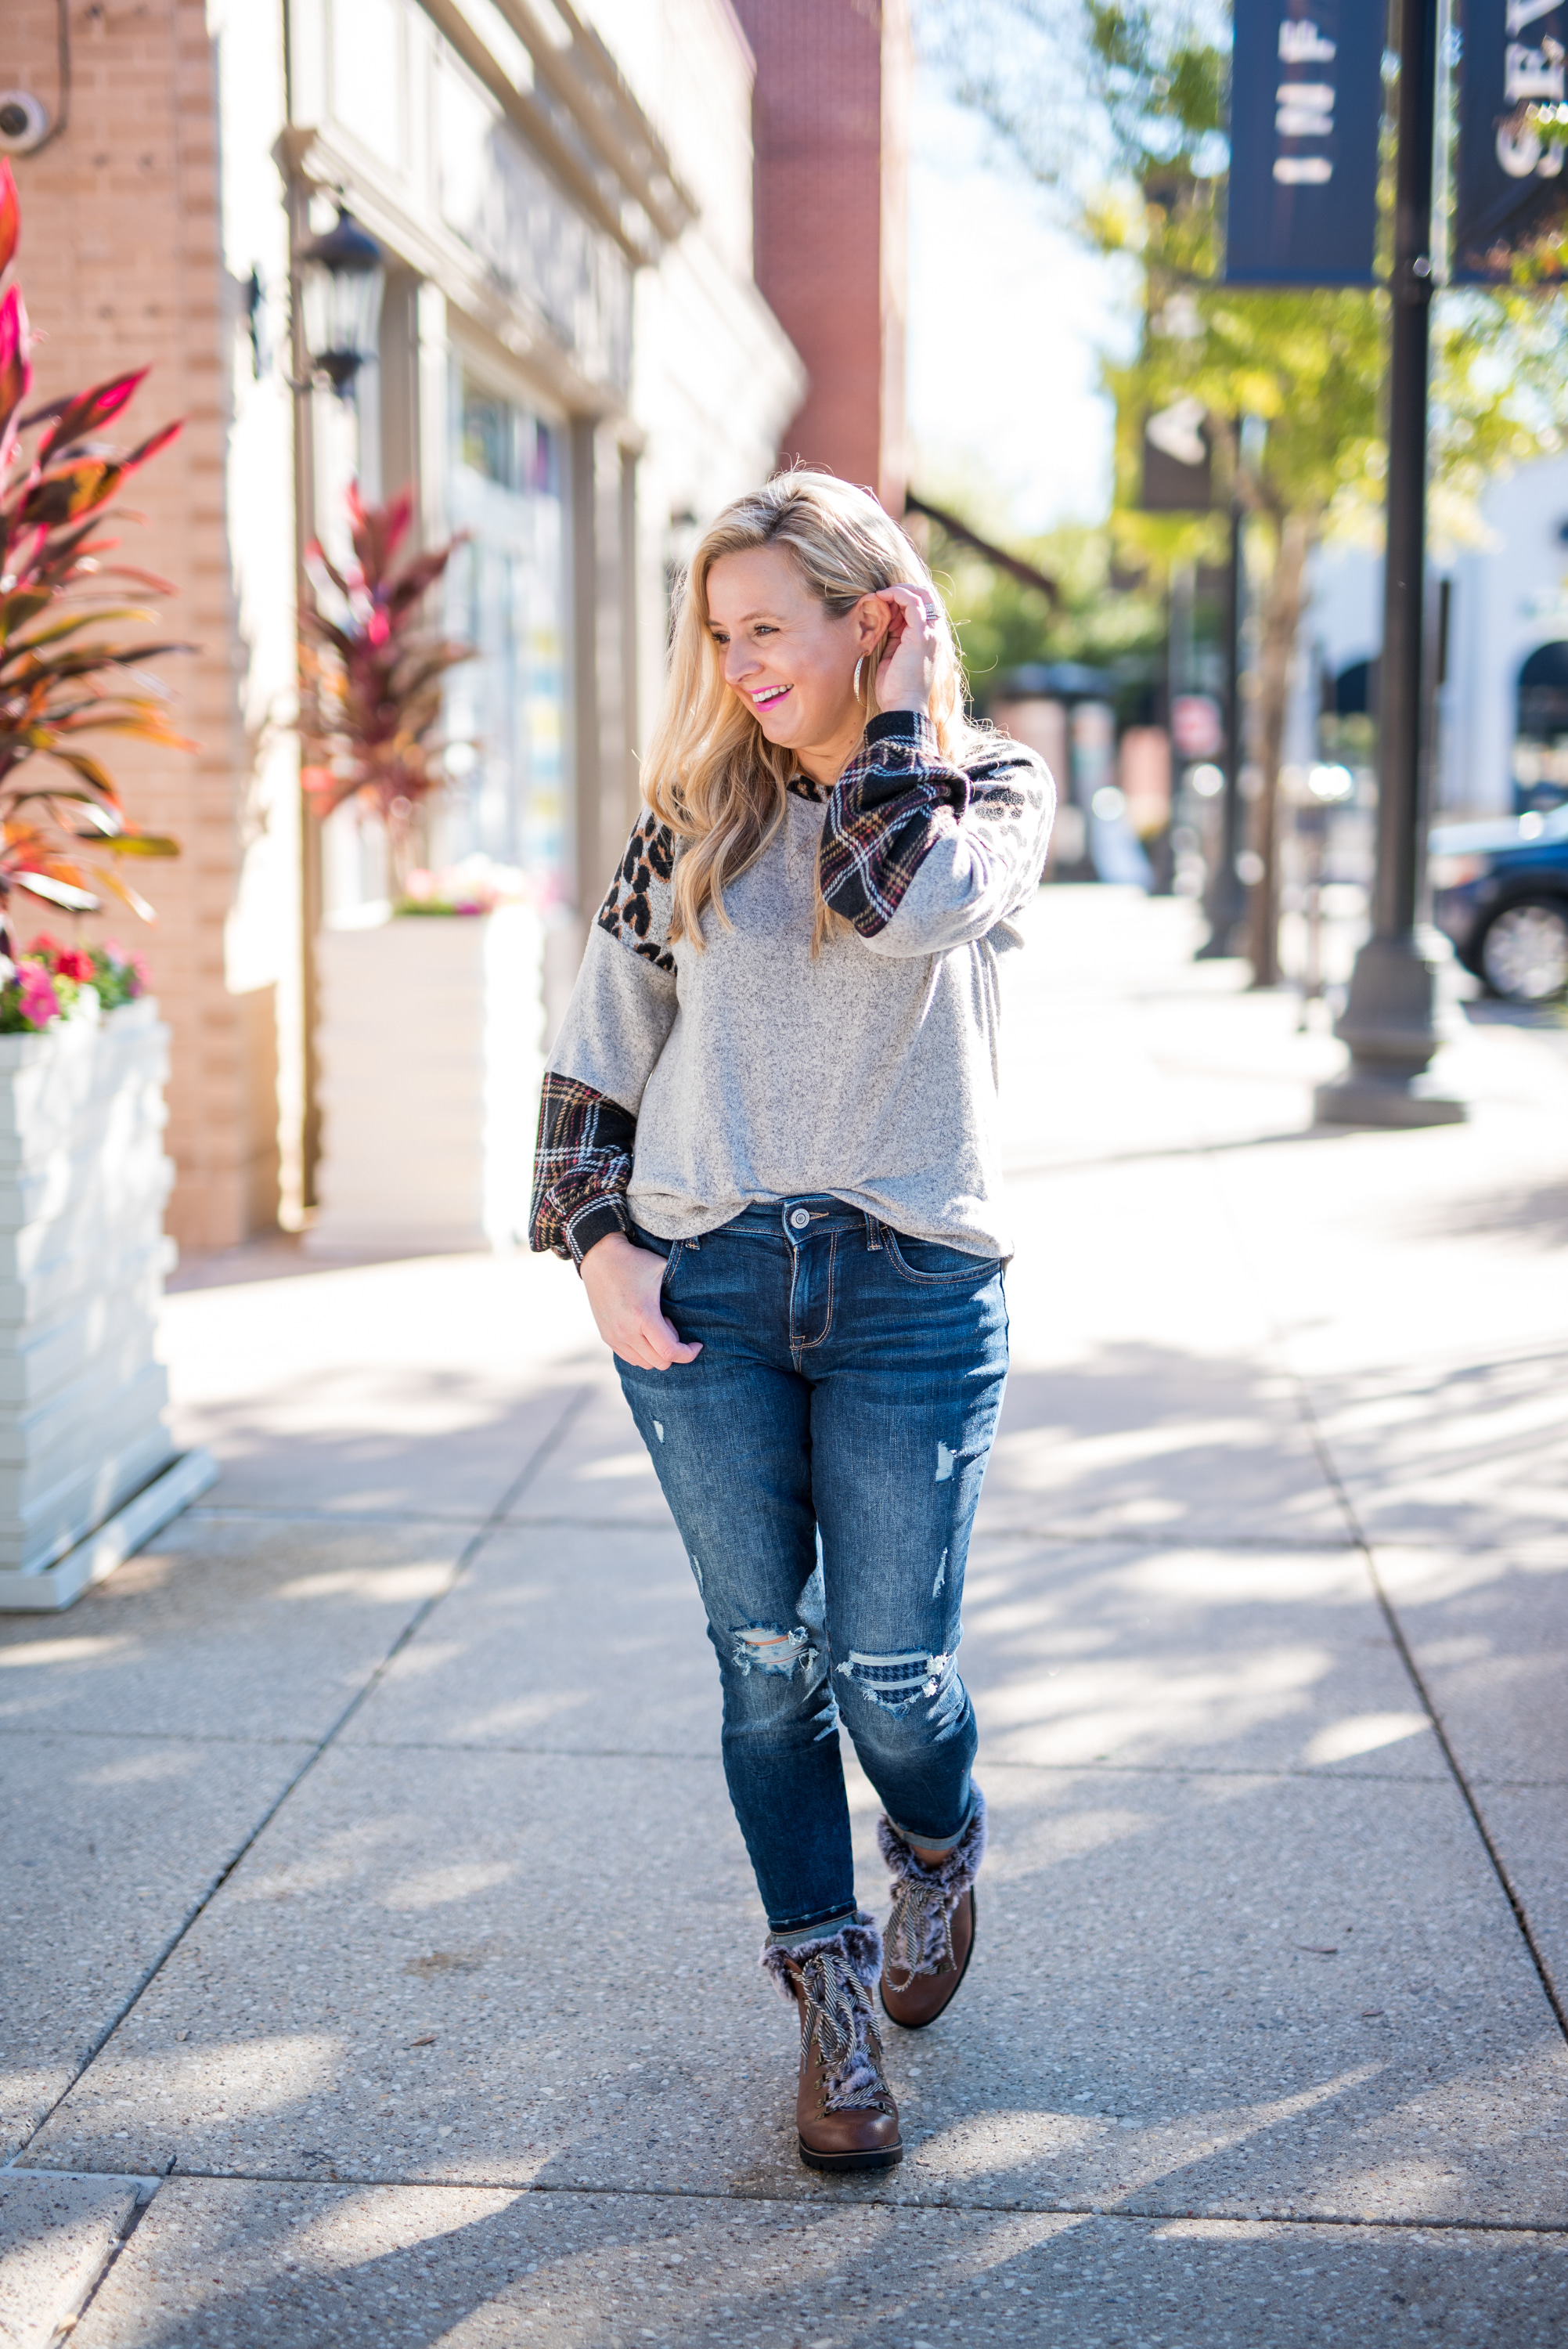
(121, 265)
(831, 130)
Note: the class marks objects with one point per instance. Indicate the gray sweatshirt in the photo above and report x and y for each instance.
(686, 1084)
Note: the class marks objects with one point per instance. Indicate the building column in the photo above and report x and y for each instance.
(631, 642)
(603, 654)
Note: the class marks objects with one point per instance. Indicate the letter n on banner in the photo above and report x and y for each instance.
(1508, 184)
(1307, 104)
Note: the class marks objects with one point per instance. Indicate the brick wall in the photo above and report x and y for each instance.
(827, 122)
(121, 265)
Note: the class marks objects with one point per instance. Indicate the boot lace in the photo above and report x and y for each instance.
(836, 2010)
(919, 1937)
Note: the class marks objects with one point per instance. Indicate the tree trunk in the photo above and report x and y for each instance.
(1281, 621)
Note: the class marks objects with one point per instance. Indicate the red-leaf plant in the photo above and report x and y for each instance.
(62, 822)
(370, 683)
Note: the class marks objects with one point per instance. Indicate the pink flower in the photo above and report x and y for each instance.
(40, 1004)
(70, 962)
(125, 958)
(16, 367)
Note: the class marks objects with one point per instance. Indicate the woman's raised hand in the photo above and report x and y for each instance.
(622, 1282)
(908, 661)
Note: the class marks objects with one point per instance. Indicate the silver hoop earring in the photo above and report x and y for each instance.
(859, 666)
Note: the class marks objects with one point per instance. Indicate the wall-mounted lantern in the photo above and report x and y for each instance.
(342, 275)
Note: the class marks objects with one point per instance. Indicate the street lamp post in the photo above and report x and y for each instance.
(1388, 1019)
(1225, 899)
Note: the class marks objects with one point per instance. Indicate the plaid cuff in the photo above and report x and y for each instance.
(887, 810)
(582, 1166)
(594, 1221)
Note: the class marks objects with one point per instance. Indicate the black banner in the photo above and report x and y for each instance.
(1306, 105)
(1507, 182)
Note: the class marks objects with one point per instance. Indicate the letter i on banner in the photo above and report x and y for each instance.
(1306, 105)
(1509, 184)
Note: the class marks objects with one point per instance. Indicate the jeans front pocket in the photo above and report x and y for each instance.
(933, 1265)
(671, 1250)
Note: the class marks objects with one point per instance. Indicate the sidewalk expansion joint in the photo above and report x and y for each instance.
(1324, 1773)
(1418, 1682)
(1510, 1892)
(663, 1524)
(536, 1752)
(248, 1512)
(1017, 2205)
(421, 1615)
(155, 1736)
(1166, 1537)
(1330, 1773)
(146, 2192)
(1363, 1542)
(1185, 1538)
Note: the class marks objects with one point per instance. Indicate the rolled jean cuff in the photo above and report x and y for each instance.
(795, 1934)
(936, 1843)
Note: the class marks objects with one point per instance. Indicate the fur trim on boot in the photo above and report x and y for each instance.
(920, 1928)
(832, 1981)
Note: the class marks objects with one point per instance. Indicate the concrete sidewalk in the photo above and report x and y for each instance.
(382, 1954)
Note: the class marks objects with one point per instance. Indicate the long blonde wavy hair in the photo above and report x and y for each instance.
(710, 773)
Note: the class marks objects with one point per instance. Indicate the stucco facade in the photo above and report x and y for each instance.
(1508, 601)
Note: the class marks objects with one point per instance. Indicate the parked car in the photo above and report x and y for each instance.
(1500, 891)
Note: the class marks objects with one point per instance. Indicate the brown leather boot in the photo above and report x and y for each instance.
(931, 1928)
(844, 2112)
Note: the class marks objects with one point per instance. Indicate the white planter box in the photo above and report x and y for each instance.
(430, 1048)
(87, 1469)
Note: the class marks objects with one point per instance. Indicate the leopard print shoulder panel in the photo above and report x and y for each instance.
(637, 910)
(1000, 805)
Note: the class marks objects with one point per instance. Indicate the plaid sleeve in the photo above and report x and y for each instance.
(582, 1166)
(888, 809)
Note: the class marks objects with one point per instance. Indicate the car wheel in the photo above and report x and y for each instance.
(1524, 954)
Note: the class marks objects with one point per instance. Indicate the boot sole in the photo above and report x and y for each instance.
(969, 1952)
(886, 2156)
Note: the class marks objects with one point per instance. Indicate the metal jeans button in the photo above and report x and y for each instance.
(800, 1218)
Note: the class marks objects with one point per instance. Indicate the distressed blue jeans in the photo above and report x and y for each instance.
(822, 1458)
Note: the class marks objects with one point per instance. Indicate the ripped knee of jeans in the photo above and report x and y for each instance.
(763, 1647)
(896, 1683)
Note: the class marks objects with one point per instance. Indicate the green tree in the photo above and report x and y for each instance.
(1118, 110)
(1002, 624)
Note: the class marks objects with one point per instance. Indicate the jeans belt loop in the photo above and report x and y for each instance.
(873, 1233)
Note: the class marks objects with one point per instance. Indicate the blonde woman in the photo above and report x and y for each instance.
(769, 1139)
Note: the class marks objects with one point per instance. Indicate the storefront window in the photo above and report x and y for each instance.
(507, 709)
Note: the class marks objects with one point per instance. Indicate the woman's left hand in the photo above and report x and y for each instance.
(907, 666)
